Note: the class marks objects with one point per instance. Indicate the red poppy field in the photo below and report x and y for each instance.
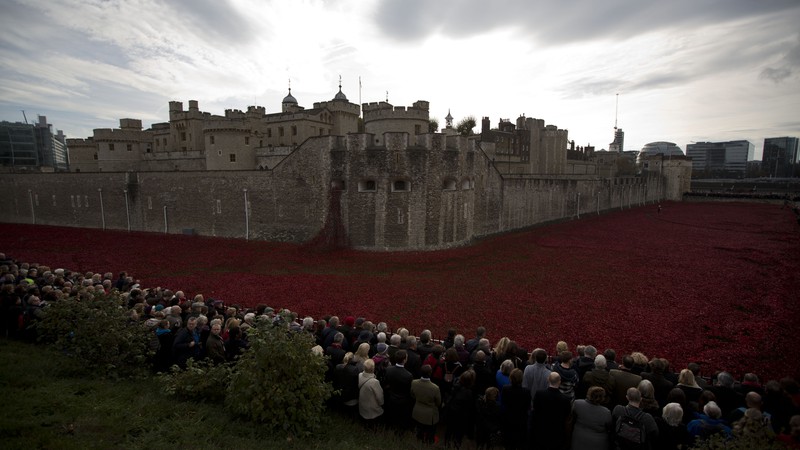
(715, 283)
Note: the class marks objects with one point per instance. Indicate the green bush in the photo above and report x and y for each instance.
(200, 381)
(279, 382)
(96, 331)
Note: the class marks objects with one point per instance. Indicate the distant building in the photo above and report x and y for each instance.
(720, 159)
(663, 148)
(619, 141)
(781, 158)
(33, 147)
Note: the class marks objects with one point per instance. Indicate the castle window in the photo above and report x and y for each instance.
(449, 184)
(211, 139)
(129, 147)
(401, 186)
(232, 157)
(337, 185)
(165, 142)
(95, 156)
(149, 150)
(269, 132)
(183, 135)
(247, 140)
(465, 184)
(280, 131)
(111, 147)
(294, 130)
(367, 186)
(417, 129)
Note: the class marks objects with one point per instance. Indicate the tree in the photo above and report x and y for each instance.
(96, 330)
(433, 126)
(279, 381)
(466, 125)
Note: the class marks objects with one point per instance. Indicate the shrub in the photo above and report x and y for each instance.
(95, 330)
(200, 381)
(279, 382)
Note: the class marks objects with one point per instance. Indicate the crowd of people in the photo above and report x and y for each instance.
(492, 392)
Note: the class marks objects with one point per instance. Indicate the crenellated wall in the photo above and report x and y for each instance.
(416, 192)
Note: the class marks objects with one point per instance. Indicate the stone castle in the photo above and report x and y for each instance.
(386, 181)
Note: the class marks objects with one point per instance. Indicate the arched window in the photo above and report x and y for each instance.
(449, 184)
(465, 184)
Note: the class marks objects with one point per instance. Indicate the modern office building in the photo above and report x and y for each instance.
(720, 159)
(781, 158)
(34, 147)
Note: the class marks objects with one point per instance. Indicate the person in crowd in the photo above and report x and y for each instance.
(472, 344)
(753, 425)
(630, 419)
(336, 352)
(750, 383)
(709, 423)
(584, 363)
(187, 343)
(370, 396)
(752, 401)
(611, 359)
(569, 376)
(778, 405)
(427, 400)
(515, 402)
(361, 356)
(672, 432)
(502, 375)
(592, 425)
(488, 419)
(727, 398)
(449, 340)
(463, 354)
(600, 377)
(640, 363)
(425, 346)
(791, 439)
(484, 378)
(550, 417)
(162, 360)
(535, 375)
(345, 381)
(381, 360)
(460, 409)
(649, 404)
(698, 378)
(624, 379)
(451, 369)
(687, 383)
(413, 362)
(656, 376)
(215, 346)
(397, 392)
(235, 345)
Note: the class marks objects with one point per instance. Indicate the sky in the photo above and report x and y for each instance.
(681, 71)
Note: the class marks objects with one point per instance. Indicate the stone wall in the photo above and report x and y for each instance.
(417, 192)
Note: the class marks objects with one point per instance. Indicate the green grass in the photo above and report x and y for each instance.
(48, 401)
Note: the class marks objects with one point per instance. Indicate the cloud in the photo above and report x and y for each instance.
(786, 67)
(549, 22)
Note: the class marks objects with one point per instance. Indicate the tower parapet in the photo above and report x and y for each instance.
(382, 117)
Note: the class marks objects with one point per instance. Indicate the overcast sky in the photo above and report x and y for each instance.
(685, 70)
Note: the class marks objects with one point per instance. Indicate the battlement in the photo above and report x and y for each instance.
(384, 110)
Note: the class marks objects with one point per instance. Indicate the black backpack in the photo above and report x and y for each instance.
(630, 430)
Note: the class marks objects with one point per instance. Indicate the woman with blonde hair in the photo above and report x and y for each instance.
(688, 385)
(640, 362)
(361, 355)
